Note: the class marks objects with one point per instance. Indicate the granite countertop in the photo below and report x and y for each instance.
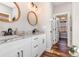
(4, 39)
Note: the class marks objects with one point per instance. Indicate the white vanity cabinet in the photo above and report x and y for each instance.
(38, 45)
(9, 52)
(10, 49)
(17, 48)
(42, 44)
(32, 46)
(27, 48)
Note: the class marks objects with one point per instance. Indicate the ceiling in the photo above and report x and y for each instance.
(59, 3)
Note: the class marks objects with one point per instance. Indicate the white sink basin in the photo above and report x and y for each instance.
(9, 38)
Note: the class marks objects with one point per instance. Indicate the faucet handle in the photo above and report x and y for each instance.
(3, 33)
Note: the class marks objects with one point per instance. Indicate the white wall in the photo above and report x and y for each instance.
(75, 23)
(22, 23)
(64, 7)
(46, 13)
(43, 13)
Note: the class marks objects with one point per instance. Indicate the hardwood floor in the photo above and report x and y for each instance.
(58, 50)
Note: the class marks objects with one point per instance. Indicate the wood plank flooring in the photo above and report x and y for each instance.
(58, 50)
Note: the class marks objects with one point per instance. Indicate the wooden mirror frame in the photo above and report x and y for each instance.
(35, 16)
(18, 16)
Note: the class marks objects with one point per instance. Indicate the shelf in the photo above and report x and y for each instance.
(63, 21)
(62, 31)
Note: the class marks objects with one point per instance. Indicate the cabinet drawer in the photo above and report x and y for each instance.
(35, 41)
(35, 52)
(38, 45)
(35, 46)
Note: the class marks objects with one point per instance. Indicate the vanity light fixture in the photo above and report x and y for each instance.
(34, 6)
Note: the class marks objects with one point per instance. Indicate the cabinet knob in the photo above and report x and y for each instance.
(43, 41)
(35, 38)
(21, 53)
(35, 46)
(18, 54)
(50, 31)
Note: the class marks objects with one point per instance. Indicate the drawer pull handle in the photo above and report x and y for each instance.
(22, 53)
(35, 46)
(18, 54)
(35, 38)
(43, 41)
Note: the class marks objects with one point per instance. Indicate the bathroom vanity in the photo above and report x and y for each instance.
(26, 46)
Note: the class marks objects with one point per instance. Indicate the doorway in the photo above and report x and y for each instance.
(65, 28)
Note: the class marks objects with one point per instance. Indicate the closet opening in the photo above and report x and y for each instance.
(63, 27)
(65, 33)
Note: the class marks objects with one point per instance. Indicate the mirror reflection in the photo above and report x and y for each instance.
(9, 11)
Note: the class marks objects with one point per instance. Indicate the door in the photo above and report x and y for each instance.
(56, 30)
(69, 30)
(53, 30)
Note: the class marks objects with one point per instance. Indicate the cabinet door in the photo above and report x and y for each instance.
(9, 51)
(53, 27)
(42, 44)
(35, 51)
(26, 48)
(17, 48)
(35, 46)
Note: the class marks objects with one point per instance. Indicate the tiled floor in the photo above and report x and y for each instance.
(58, 50)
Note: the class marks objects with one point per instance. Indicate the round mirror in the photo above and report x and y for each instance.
(9, 11)
(32, 18)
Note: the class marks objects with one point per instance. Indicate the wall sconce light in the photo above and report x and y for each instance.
(34, 6)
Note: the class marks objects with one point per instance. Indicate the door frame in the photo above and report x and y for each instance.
(69, 40)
